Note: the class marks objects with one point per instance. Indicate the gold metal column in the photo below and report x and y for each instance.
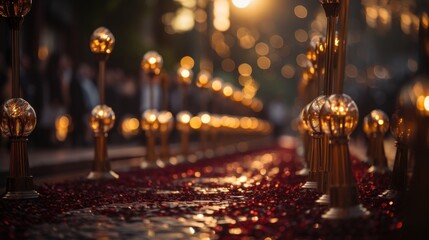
(18, 118)
(102, 117)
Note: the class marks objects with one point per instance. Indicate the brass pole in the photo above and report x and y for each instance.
(342, 36)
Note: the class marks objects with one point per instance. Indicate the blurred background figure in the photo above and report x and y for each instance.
(277, 115)
(84, 97)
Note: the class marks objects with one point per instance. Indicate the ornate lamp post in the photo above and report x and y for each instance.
(375, 125)
(151, 64)
(102, 116)
(18, 118)
(339, 118)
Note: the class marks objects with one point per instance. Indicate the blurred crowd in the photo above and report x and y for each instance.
(61, 87)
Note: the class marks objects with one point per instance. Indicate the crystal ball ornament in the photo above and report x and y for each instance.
(375, 126)
(339, 115)
(18, 118)
(339, 118)
(152, 63)
(313, 119)
(149, 119)
(15, 8)
(102, 42)
(102, 119)
(185, 75)
(376, 123)
(204, 79)
(165, 120)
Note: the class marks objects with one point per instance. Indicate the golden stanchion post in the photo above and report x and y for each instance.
(339, 118)
(102, 117)
(311, 182)
(332, 9)
(18, 118)
(401, 130)
(415, 101)
(303, 130)
(375, 126)
(165, 121)
(151, 64)
(150, 125)
(318, 150)
(182, 124)
(342, 46)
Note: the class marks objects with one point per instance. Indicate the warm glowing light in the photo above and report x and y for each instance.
(241, 3)
(262, 49)
(183, 20)
(288, 71)
(203, 79)
(205, 118)
(165, 117)
(130, 126)
(228, 90)
(43, 53)
(217, 85)
(221, 15)
(185, 75)
(301, 35)
(245, 69)
(187, 62)
(300, 11)
(264, 63)
(195, 122)
(62, 124)
(152, 63)
(184, 117)
(102, 41)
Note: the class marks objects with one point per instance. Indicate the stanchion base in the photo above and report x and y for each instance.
(21, 195)
(336, 213)
(374, 169)
(95, 175)
(20, 188)
(389, 194)
(303, 172)
(310, 185)
(324, 199)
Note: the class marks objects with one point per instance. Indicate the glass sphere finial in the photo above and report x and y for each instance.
(102, 119)
(18, 118)
(15, 8)
(314, 121)
(204, 79)
(152, 63)
(102, 41)
(376, 122)
(185, 75)
(339, 115)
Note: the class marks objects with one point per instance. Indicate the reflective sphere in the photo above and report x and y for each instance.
(204, 117)
(183, 117)
(413, 107)
(18, 118)
(314, 121)
(149, 119)
(102, 41)
(14, 8)
(401, 127)
(339, 115)
(376, 122)
(185, 75)
(204, 79)
(102, 119)
(303, 118)
(217, 84)
(152, 63)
